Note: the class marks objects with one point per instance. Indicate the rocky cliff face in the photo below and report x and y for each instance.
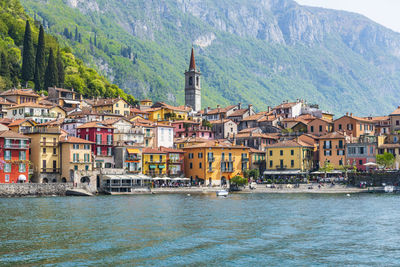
(275, 49)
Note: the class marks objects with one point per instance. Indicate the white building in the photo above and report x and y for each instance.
(38, 113)
(164, 135)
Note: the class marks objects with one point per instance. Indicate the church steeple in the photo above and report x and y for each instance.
(192, 65)
(192, 85)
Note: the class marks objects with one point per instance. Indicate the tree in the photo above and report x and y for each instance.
(385, 160)
(76, 34)
(40, 61)
(346, 169)
(326, 168)
(51, 75)
(206, 123)
(5, 66)
(60, 69)
(28, 58)
(238, 181)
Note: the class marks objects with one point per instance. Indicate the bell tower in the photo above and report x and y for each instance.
(193, 85)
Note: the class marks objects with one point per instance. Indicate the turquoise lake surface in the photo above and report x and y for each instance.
(201, 230)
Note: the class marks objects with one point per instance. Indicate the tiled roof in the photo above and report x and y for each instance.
(4, 101)
(216, 144)
(190, 139)
(286, 105)
(247, 130)
(238, 112)
(256, 135)
(74, 140)
(333, 135)
(220, 110)
(29, 105)
(221, 121)
(12, 134)
(136, 110)
(6, 121)
(171, 150)
(63, 90)
(55, 122)
(396, 112)
(25, 92)
(289, 143)
(252, 150)
(254, 117)
(149, 150)
(94, 124)
(322, 119)
(103, 101)
(19, 122)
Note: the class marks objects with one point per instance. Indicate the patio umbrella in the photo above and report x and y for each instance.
(370, 164)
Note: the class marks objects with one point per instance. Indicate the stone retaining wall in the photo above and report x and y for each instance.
(32, 189)
(375, 179)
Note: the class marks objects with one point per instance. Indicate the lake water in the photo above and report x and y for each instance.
(200, 230)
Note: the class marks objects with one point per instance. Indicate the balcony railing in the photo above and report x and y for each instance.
(232, 159)
(174, 161)
(50, 143)
(50, 170)
(44, 115)
(80, 161)
(227, 170)
(133, 158)
(155, 162)
(43, 130)
(281, 167)
(245, 159)
(148, 135)
(210, 159)
(16, 146)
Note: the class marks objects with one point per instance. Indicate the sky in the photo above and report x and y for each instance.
(384, 12)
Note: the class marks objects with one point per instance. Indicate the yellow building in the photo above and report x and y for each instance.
(154, 162)
(21, 125)
(289, 155)
(44, 153)
(20, 96)
(76, 159)
(161, 111)
(58, 112)
(116, 106)
(215, 162)
(189, 141)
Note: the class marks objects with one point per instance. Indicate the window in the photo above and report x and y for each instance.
(117, 105)
(340, 162)
(54, 151)
(7, 155)
(312, 129)
(7, 167)
(270, 152)
(86, 167)
(340, 143)
(22, 167)
(22, 155)
(190, 80)
(161, 158)
(191, 165)
(199, 165)
(44, 150)
(292, 152)
(361, 150)
(190, 155)
(281, 152)
(98, 139)
(7, 178)
(327, 153)
(109, 151)
(292, 163)
(200, 155)
(75, 167)
(98, 150)
(371, 151)
(270, 163)
(397, 122)
(109, 139)
(87, 137)
(320, 128)
(87, 147)
(340, 127)
(350, 127)
(75, 146)
(210, 166)
(360, 162)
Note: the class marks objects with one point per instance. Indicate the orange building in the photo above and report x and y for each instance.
(320, 127)
(355, 126)
(332, 149)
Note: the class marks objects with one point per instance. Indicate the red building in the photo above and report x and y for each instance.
(175, 161)
(191, 129)
(102, 136)
(14, 157)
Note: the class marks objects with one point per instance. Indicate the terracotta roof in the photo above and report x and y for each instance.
(46, 102)
(216, 144)
(6, 121)
(185, 121)
(29, 105)
(25, 92)
(290, 143)
(146, 100)
(380, 118)
(55, 122)
(165, 105)
(19, 122)
(357, 118)
(247, 130)
(333, 135)
(238, 112)
(258, 135)
(136, 110)
(252, 150)
(286, 105)
(389, 146)
(396, 112)
(254, 117)
(220, 110)
(94, 124)
(4, 101)
(63, 90)
(149, 150)
(171, 150)
(307, 117)
(74, 140)
(12, 134)
(190, 139)
(221, 121)
(322, 119)
(103, 101)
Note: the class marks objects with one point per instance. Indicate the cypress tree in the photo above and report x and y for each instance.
(28, 57)
(95, 39)
(40, 63)
(5, 66)
(76, 34)
(60, 68)
(51, 75)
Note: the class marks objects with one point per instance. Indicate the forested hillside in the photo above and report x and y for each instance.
(29, 57)
(252, 51)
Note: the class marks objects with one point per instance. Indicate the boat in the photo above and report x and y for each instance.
(222, 193)
(78, 192)
(389, 189)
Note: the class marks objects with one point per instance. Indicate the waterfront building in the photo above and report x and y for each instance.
(102, 136)
(14, 157)
(164, 135)
(175, 162)
(64, 97)
(154, 162)
(361, 152)
(76, 160)
(20, 96)
(289, 157)
(215, 162)
(332, 149)
(128, 158)
(193, 85)
(181, 143)
(257, 160)
(256, 140)
(354, 126)
(320, 126)
(44, 152)
(382, 125)
(223, 128)
(125, 133)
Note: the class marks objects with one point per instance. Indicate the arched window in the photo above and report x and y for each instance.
(190, 80)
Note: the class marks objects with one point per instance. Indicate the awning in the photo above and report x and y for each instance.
(133, 151)
(290, 172)
(152, 166)
(74, 102)
(21, 177)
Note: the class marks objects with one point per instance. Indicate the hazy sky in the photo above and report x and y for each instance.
(385, 12)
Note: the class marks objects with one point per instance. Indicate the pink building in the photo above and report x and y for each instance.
(187, 128)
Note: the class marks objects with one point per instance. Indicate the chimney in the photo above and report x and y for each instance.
(205, 111)
(347, 114)
(351, 114)
(218, 106)
(240, 105)
(250, 107)
(269, 109)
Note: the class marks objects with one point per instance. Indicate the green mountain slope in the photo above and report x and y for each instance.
(12, 27)
(260, 52)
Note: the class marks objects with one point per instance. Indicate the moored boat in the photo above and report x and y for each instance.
(222, 193)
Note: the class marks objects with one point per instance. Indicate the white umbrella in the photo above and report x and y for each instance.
(370, 164)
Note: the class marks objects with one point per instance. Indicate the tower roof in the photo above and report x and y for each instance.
(192, 65)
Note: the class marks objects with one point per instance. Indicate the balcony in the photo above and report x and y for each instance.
(227, 170)
(44, 115)
(245, 159)
(16, 146)
(173, 161)
(50, 170)
(210, 159)
(232, 159)
(281, 167)
(80, 162)
(155, 162)
(41, 130)
(148, 135)
(137, 158)
(49, 143)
